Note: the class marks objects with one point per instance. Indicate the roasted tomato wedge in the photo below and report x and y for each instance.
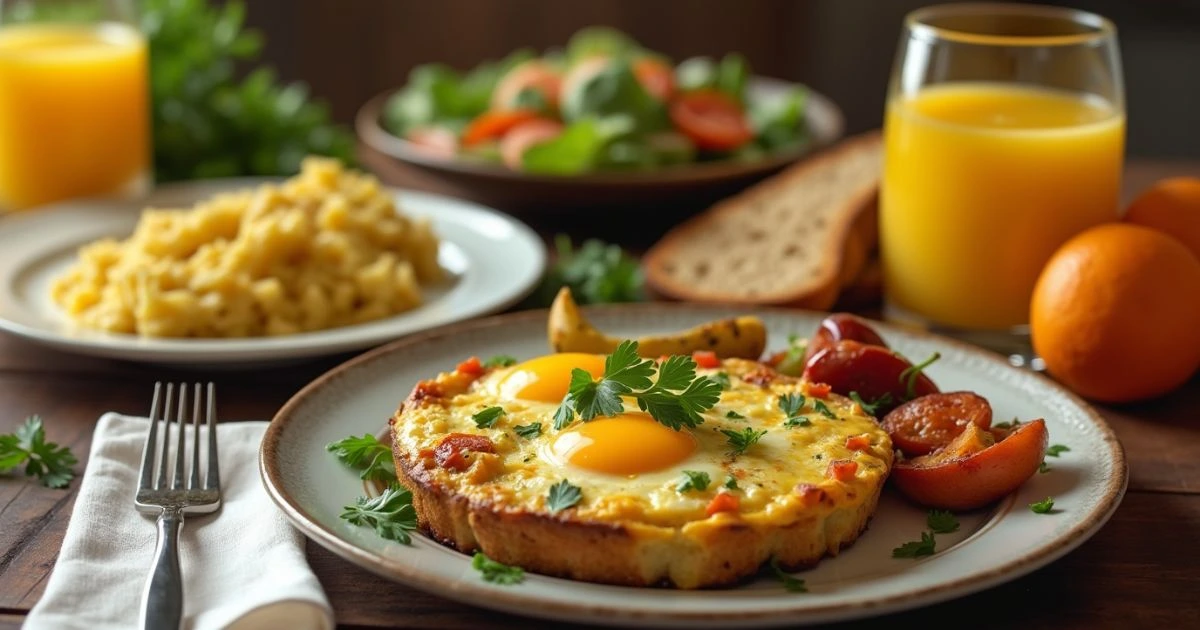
(924, 424)
(972, 471)
(876, 373)
(839, 326)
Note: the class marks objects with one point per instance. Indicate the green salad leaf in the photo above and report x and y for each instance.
(778, 121)
(438, 94)
(600, 41)
(614, 91)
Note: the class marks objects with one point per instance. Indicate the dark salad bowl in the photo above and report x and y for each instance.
(673, 191)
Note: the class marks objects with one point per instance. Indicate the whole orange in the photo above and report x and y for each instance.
(1171, 205)
(1116, 313)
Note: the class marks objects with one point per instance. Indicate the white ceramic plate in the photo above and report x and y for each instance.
(492, 262)
(991, 547)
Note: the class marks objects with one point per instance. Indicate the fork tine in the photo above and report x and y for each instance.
(165, 444)
(194, 478)
(151, 447)
(181, 435)
(213, 481)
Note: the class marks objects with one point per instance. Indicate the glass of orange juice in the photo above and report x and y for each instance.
(1004, 136)
(74, 101)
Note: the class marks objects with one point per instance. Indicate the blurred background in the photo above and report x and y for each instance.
(350, 51)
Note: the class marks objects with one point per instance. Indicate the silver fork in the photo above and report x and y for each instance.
(170, 496)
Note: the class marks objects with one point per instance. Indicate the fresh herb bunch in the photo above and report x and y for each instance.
(366, 454)
(676, 399)
(208, 124)
(47, 461)
(596, 272)
(391, 514)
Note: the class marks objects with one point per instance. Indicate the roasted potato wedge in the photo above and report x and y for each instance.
(740, 337)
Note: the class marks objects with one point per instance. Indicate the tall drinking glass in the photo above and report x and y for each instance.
(1004, 137)
(74, 101)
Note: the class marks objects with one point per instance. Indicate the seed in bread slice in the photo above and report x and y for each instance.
(782, 241)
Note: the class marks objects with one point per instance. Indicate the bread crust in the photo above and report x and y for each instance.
(845, 259)
(717, 550)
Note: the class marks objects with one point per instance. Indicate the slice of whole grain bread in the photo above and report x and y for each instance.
(793, 239)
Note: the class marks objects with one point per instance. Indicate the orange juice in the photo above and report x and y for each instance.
(73, 112)
(982, 182)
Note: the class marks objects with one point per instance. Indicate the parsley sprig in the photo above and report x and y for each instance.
(366, 454)
(790, 582)
(793, 407)
(47, 461)
(910, 374)
(496, 572)
(391, 514)
(487, 417)
(563, 495)
(871, 408)
(739, 441)
(676, 399)
(939, 522)
(693, 480)
(500, 360)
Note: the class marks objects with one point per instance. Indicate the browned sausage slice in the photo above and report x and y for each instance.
(930, 422)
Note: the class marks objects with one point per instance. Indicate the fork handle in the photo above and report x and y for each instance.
(162, 602)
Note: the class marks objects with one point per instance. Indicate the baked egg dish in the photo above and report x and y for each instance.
(778, 469)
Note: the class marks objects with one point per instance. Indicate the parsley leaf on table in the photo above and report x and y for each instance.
(47, 461)
(941, 521)
(563, 495)
(496, 572)
(739, 441)
(675, 400)
(693, 480)
(486, 418)
(366, 454)
(916, 548)
(791, 583)
(391, 514)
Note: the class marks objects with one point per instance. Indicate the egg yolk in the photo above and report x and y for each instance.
(547, 378)
(625, 444)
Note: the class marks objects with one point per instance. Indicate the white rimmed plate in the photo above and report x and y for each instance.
(492, 260)
(991, 547)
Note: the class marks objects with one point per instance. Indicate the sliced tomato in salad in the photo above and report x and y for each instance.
(656, 77)
(433, 140)
(713, 120)
(494, 123)
(519, 139)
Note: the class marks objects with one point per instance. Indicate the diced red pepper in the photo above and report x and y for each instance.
(471, 366)
(841, 469)
(451, 451)
(723, 502)
(706, 359)
(858, 442)
(817, 390)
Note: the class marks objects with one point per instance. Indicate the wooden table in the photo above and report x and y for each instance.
(1141, 570)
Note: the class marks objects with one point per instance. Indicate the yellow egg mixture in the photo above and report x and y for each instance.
(629, 467)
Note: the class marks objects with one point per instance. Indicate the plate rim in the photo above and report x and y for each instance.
(481, 595)
(256, 351)
(370, 130)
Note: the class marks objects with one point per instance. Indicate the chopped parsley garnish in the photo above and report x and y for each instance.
(871, 408)
(47, 461)
(822, 409)
(941, 521)
(916, 548)
(722, 379)
(910, 374)
(1057, 449)
(528, 431)
(563, 495)
(391, 514)
(1006, 425)
(731, 482)
(1044, 467)
(500, 360)
(693, 480)
(791, 583)
(1045, 506)
(793, 406)
(739, 441)
(733, 415)
(675, 400)
(496, 572)
(366, 454)
(487, 417)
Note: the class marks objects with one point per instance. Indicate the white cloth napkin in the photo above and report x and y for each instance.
(243, 567)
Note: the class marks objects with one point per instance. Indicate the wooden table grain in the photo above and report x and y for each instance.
(1142, 570)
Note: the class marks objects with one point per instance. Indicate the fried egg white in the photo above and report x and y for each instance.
(629, 466)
